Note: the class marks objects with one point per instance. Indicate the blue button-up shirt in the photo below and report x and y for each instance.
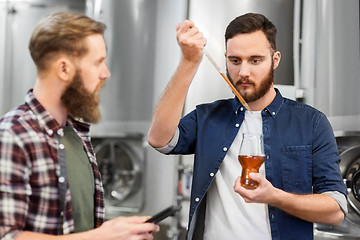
(300, 148)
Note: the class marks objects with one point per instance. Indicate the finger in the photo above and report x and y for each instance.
(238, 188)
(142, 236)
(137, 219)
(198, 35)
(157, 228)
(256, 176)
(190, 30)
(145, 236)
(237, 183)
(185, 26)
(193, 31)
(144, 228)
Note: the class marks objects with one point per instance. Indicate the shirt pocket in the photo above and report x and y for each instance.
(297, 165)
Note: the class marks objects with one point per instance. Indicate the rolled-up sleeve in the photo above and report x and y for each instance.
(171, 145)
(340, 199)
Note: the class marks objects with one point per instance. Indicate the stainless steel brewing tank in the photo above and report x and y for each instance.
(139, 34)
(127, 98)
(126, 102)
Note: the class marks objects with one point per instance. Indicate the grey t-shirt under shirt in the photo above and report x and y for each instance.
(81, 180)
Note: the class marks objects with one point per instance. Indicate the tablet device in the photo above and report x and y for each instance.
(170, 211)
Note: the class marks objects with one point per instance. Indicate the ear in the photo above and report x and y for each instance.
(64, 68)
(276, 58)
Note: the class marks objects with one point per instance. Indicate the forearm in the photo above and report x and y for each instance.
(120, 228)
(169, 109)
(27, 235)
(318, 208)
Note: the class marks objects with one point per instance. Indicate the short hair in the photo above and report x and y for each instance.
(61, 32)
(249, 23)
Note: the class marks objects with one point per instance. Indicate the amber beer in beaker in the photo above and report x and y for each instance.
(250, 164)
(251, 156)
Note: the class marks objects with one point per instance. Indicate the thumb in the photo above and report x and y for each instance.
(255, 176)
(137, 219)
(177, 26)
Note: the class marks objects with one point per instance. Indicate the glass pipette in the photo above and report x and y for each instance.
(228, 81)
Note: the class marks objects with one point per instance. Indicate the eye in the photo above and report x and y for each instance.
(255, 61)
(100, 61)
(234, 61)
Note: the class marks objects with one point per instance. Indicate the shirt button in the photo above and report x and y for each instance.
(61, 146)
(60, 132)
(237, 125)
(197, 199)
(61, 179)
(50, 132)
(212, 174)
(225, 149)
(273, 113)
(267, 156)
(241, 109)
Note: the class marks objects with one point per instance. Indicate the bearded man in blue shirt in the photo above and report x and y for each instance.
(300, 182)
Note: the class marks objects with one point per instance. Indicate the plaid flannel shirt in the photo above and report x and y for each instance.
(29, 172)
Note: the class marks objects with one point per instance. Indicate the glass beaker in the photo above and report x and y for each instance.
(251, 157)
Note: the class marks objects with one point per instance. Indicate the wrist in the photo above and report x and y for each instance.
(191, 61)
(88, 235)
(277, 197)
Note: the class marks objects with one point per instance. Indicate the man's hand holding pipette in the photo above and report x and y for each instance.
(191, 41)
(171, 103)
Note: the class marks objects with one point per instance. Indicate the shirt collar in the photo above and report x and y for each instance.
(49, 123)
(237, 106)
(44, 118)
(272, 109)
(79, 124)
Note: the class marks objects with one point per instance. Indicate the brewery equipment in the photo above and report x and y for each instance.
(349, 149)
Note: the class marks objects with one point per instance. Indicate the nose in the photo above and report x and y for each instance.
(244, 70)
(106, 74)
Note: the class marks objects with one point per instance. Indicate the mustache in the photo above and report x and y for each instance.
(100, 85)
(242, 80)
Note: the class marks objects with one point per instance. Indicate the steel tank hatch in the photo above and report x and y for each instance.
(121, 162)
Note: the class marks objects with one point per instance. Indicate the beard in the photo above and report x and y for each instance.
(260, 88)
(79, 102)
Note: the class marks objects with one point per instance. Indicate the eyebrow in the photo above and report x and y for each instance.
(100, 60)
(251, 57)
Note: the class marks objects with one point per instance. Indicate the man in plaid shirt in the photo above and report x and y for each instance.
(49, 180)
